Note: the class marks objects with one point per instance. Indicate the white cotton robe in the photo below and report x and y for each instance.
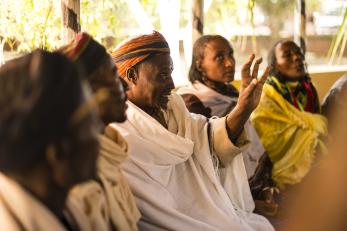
(221, 105)
(19, 210)
(173, 178)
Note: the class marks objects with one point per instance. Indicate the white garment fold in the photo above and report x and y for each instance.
(221, 105)
(173, 178)
(19, 210)
(108, 202)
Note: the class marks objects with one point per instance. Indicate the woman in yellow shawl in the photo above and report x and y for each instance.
(288, 118)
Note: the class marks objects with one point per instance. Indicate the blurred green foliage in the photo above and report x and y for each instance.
(29, 24)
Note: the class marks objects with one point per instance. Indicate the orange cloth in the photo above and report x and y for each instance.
(134, 50)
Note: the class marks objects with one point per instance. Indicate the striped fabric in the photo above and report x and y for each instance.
(303, 96)
(134, 50)
(85, 50)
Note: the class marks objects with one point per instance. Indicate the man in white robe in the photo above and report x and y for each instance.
(184, 170)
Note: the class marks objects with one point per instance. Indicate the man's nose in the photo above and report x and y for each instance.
(170, 83)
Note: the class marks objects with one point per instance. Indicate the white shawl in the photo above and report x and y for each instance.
(221, 105)
(173, 178)
(19, 210)
(108, 202)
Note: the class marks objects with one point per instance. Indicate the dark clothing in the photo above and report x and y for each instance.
(334, 98)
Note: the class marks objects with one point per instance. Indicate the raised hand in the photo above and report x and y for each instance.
(250, 93)
(251, 87)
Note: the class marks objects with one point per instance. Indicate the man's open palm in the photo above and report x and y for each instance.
(251, 87)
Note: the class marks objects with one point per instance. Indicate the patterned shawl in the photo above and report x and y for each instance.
(303, 95)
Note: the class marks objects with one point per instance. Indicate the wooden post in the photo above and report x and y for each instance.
(70, 18)
(300, 24)
(198, 19)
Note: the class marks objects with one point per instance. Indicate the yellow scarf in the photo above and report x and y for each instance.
(289, 136)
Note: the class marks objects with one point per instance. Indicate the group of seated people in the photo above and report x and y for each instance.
(98, 141)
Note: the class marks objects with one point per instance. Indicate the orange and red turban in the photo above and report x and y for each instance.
(137, 49)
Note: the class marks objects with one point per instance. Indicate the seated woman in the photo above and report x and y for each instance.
(287, 118)
(46, 128)
(107, 201)
(211, 94)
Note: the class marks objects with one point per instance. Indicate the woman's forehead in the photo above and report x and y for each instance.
(287, 46)
(218, 45)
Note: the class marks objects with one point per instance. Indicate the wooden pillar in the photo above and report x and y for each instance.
(300, 24)
(198, 19)
(70, 18)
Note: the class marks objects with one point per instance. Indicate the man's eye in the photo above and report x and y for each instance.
(164, 76)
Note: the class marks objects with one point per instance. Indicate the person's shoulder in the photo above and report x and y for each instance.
(8, 222)
(341, 83)
(195, 105)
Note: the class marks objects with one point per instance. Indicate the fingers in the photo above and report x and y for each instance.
(251, 87)
(245, 71)
(250, 60)
(256, 68)
(246, 67)
(264, 76)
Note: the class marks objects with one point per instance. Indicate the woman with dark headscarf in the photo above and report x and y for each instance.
(46, 127)
(288, 118)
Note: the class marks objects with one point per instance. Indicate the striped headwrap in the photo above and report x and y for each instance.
(86, 51)
(135, 50)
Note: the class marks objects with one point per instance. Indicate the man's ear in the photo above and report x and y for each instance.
(132, 75)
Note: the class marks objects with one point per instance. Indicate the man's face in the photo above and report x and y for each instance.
(218, 63)
(290, 60)
(153, 82)
(112, 108)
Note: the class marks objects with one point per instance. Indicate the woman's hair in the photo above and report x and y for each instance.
(271, 58)
(272, 62)
(39, 94)
(198, 54)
